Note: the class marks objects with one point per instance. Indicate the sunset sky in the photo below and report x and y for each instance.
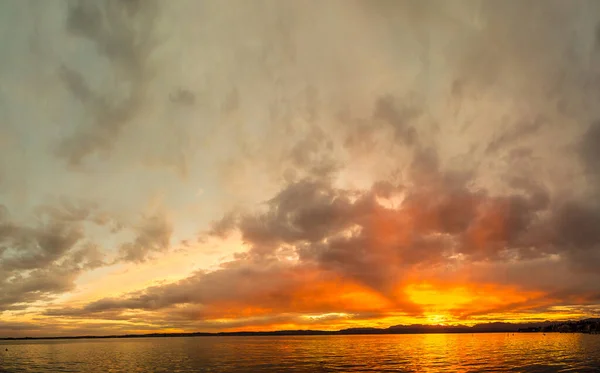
(259, 165)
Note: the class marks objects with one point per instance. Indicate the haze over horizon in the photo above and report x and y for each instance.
(221, 166)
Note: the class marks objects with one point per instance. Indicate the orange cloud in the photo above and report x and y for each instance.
(455, 301)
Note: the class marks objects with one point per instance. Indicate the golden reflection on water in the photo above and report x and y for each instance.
(373, 353)
(466, 352)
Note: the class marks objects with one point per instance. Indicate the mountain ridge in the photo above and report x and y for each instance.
(590, 325)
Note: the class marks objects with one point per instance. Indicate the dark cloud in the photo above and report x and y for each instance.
(40, 246)
(597, 39)
(43, 260)
(222, 227)
(153, 234)
(575, 220)
(19, 290)
(183, 97)
(512, 136)
(244, 288)
(28, 247)
(590, 151)
(520, 88)
(441, 217)
(352, 237)
(399, 118)
(509, 40)
(121, 31)
(39, 261)
(312, 154)
(576, 226)
(44, 327)
(306, 210)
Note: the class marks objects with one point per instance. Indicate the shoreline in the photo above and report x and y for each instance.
(587, 326)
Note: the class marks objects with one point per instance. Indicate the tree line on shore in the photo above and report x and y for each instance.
(591, 326)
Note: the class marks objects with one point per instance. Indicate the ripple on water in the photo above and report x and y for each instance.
(376, 353)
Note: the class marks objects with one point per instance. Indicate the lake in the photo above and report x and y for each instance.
(499, 352)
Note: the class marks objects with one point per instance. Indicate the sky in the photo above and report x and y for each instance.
(187, 165)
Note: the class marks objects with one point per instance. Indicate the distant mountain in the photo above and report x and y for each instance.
(583, 326)
(591, 326)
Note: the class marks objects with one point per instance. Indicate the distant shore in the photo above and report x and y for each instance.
(588, 326)
(591, 326)
(254, 334)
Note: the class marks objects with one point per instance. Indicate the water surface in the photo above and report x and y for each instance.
(360, 353)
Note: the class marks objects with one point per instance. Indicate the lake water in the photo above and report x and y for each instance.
(359, 353)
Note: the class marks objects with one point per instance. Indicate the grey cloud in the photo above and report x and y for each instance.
(512, 25)
(42, 260)
(576, 226)
(440, 217)
(248, 283)
(34, 247)
(597, 36)
(18, 326)
(153, 234)
(398, 118)
(222, 227)
(400, 115)
(191, 317)
(183, 97)
(513, 135)
(311, 212)
(481, 225)
(39, 284)
(305, 210)
(524, 50)
(44, 327)
(576, 220)
(68, 211)
(111, 26)
(312, 153)
(41, 246)
(122, 32)
(516, 59)
(590, 151)
(88, 256)
(434, 223)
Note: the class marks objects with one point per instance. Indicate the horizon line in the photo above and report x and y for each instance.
(394, 329)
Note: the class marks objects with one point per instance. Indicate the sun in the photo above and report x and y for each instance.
(437, 319)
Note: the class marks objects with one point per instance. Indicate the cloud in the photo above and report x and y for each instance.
(153, 234)
(322, 243)
(40, 261)
(575, 220)
(395, 146)
(32, 247)
(590, 150)
(183, 97)
(312, 232)
(398, 119)
(122, 33)
(244, 289)
(512, 136)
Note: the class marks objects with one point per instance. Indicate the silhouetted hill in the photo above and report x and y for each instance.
(580, 326)
(584, 326)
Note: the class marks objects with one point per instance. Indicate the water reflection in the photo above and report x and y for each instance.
(391, 353)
